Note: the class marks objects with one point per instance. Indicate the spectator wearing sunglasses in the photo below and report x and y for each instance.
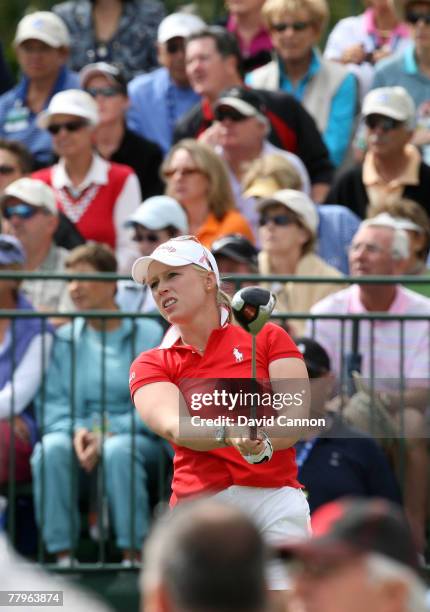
(392, 166)
(326, 89)
(22, 341)
(158, 99)
(42, 50)
(411, 68)
(288, 229)
(30, 214)
(95, 194)
(155, 221)
(114, 141)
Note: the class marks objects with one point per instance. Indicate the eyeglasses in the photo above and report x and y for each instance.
(370, 248)
(149, 237)
(296, 26)
(281, 220)
(414, 18)
(182, 171)
(384, 123)
(229, 113)
(5, 170)
(106, 92)
(70, 126)
(21, 210)
(174, 45)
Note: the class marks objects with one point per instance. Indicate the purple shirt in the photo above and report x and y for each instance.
(260, 42)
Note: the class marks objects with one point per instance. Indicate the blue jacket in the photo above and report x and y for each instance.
(88, 377)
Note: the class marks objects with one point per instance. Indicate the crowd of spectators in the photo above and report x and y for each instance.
(284, 157)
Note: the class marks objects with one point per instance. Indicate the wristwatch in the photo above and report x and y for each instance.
(220, 434)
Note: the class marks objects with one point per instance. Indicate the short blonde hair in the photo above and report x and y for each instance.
(318, 10)
(275, 167)
(220, 194)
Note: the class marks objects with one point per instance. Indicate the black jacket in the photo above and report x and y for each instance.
(348, 189)
(293, 129)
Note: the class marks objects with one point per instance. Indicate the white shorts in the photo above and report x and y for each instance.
(281, 515)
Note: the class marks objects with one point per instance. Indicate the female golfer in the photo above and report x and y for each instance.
(201, 344)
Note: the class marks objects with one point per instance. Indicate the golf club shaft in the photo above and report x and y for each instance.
(253, 411)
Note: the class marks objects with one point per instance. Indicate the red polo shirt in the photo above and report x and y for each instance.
(197, 472)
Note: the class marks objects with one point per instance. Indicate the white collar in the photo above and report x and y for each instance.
(97, 174)
(173, 334)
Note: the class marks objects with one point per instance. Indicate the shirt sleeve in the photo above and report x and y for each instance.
(279, 344)
(21, 390)
(338, 132)
(146, 369)
(127, 202)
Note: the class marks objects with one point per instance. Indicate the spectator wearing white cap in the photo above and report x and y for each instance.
(95, 194)
(116, 31)
(114, 141)
(288, 229)
(160, 98)
(30, 214)
(42, 49)
(157, 220)
(392, 166)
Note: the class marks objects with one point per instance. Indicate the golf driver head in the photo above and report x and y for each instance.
(252, 307)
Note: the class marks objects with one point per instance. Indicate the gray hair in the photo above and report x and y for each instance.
(400, 247)
(383, 569)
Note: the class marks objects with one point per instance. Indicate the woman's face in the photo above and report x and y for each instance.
(148, 240)
(279, 231)
(90, 294)
(181, 293)
(185, 181)
(75, 137)
(299, 34)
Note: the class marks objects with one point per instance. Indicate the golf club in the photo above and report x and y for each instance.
(252, 307)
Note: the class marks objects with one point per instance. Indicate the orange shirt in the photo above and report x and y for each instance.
(232, 223)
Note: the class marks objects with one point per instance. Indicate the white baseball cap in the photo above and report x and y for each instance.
(158, 212)
(394, 102)
(179, 25)
(180, 251)
(70, 102)
(296, 201)
(44, 26)
(33, 192)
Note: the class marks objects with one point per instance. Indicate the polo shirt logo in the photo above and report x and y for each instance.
(237, 355)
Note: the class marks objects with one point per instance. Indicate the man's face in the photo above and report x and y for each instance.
(244, 134)
(208, 71)
(386, 138)
(10, 169)
(294, 34)
(33, 231)
(38, 60)
(111, 102)
(329, 586)
(90, 294)
(171, 55)
(416, 12)
(370, 253)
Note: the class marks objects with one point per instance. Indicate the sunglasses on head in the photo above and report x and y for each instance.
(22, 210)
(281, 220)
(413, 17)
(5, 169)
(229, 113)
(70, 126)
(296, 26)
(384, 123)
(107, 92)
(149, 237)
(174, 45)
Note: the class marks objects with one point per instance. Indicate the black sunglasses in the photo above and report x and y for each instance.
(107, 92)
(281, 220)
(70, 126)
(414, 18)
(5, 170)
(296, 26)
(229, 113)
(384, 123)
(174, 45)
(149, 237)
(21, 210)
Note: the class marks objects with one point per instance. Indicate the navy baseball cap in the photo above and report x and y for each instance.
(236, 247)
